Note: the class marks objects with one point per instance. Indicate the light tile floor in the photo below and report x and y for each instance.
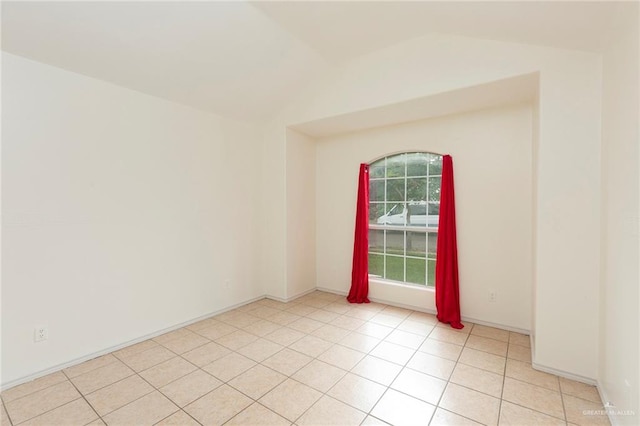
(313, 361)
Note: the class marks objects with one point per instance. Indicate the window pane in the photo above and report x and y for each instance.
(417, 164)
(435, 164)
(434, 211)
(396, 166)
(376, 240)
(375, 211)
(395, 242)
(395, 268)
(416, 269)
(417, 189)
(416, 244)
(395, 190)
(376, 264)
(376, 190)
(431, 273)
(376, 170)
(434, 188)
(433, 244)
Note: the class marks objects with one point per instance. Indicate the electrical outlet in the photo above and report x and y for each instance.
(40, 333)
(493, 296)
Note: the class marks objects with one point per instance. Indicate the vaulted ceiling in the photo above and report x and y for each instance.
(246, 60)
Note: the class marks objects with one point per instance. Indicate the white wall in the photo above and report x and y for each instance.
(492, 155)
(301, 217)
(123, 215)
(619, 370)
(567, 252)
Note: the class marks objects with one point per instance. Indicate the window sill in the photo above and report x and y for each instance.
(419, 287)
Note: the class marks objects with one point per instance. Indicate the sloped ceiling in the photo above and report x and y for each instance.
(248, 60)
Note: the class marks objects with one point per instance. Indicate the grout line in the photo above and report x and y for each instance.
(83, 397)
(4, 406)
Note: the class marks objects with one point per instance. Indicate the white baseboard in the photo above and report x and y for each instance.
(290, 298)
(59, 367)
(562, 373)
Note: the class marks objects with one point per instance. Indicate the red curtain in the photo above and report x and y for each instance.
(447, 292)
(360, 269)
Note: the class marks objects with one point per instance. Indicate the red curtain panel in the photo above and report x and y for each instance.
(447, 291)
(360, 269)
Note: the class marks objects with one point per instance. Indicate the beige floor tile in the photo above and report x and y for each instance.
(448, 335)
(33, 386)
(319, 375)
(387, 320)
(442, 349)
(265, 312)
(229, 366)
(257, 381)
(179, 418)
(405, 338)
(101, 377)
(471, 404)
(341, 357)
(206, 354)
(323, 315)
(175, 334)
(216, 331)
(185, 343)
(373, 421)
(419, 385)
(227, 402)
(241, 320)
(393, 353)
(490, 332)
(468, 326)
(202, 324)
(77, 412)
(361, 313)
(280, 400)
(485, 344)
(37, 403)
(484, 360)
(316, 303)
(397, 408)
(4, 417)
(423, 318)
(142, 360)
(520, 353)
(331, 333)
(357, 392)
(285, 336)
(515, 415)
(147, 410)
(583, 412)
(339, 307)
(447, 418)
(378, 331)
(237, 339)
(534, 397)
(397, 311)
(168, 371)
(284, 318)
(190, 387)
(258, 415)
(348, 323)
(519, 339)
(378, 370)
(287, 361)
(311, 346)
(305, 325)
(90, 365)
(416, 327)
(328, 411)
(118, 394)
(301, 309)
(525, 373)
(477, 379)
(135, 349)
(262, 327)
(359, 342)
(580, 390)
(97, 422)
(432, 365)
(260, 350)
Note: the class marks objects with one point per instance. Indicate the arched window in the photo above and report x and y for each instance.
(403, 217)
